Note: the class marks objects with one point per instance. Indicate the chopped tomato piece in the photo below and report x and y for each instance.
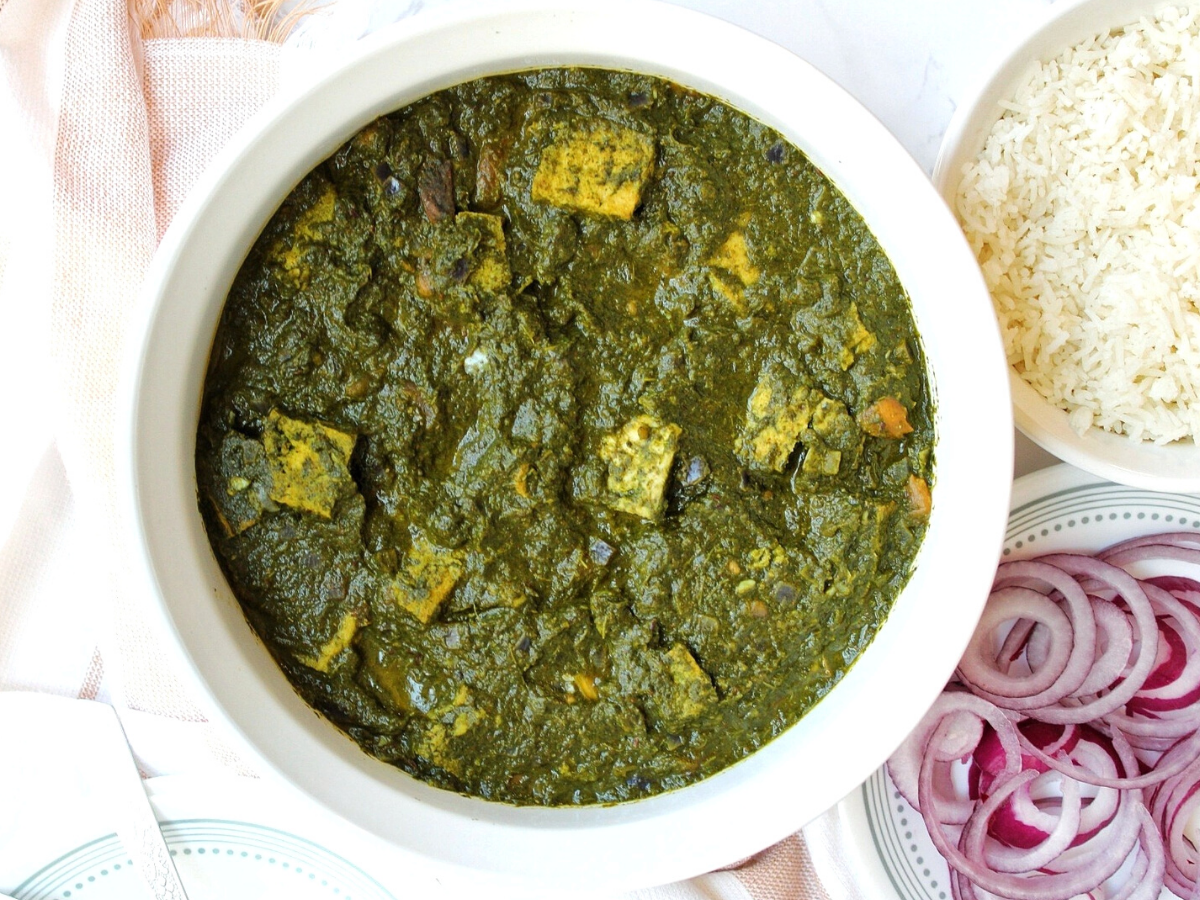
(919, 501)
(886, 417)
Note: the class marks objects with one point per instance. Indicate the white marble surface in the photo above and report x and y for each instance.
(910, 63)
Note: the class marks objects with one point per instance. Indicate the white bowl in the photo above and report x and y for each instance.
(849, 733)
(1173, 467)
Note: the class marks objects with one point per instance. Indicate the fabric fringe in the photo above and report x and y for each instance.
(263, 20)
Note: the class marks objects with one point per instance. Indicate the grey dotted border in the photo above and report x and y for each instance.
(266, 858)
(894, 825)
(80, 885)
(1031, 537)
(905, 811)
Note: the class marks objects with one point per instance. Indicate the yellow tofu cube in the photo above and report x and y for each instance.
(429, 577)
(692, 690)
(490, 270)
(724, 285)
(776, 415)
(821, 460)
(734, 257)
(305, 233)
(308, 463)
(639, 458)
(598, 167)
(335, 645)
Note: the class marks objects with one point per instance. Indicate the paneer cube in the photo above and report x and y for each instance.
(857, 339)
(639, 458)
(429, 577)
(308, 463)
(734, 257)
(834, 424)
(305, 233)
(820, 459)
(691, 690)
(335, 645)
(489, 262)
(726, 286)
(778, 411)
(597, 167)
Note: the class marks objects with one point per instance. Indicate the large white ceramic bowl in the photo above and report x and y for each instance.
(1173, 467)
(813, 764)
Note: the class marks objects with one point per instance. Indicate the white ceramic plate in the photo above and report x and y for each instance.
(231, 839)
(1173, 467)
(874, 843)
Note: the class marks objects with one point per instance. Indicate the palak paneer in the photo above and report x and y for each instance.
(566, 436)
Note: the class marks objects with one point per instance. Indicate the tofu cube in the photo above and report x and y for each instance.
(335, 645)
(292, 255)
(777, 413)
(821, 460)
(490, 271)
(429, 577)
(639, 458)
(597, 167)
(734, 257)
(691, 690)
(834, 424)
(308, 463)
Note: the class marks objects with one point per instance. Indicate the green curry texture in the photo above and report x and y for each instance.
(566, 436)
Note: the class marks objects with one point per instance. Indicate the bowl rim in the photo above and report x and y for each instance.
(1173, 468)
(751, 804)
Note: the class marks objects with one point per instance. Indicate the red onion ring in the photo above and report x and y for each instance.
(1103, 671)
(967, 713)
(979, 665)
(1134, 596)
(1046, 579)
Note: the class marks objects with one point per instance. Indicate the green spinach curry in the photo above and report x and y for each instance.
(566, 437)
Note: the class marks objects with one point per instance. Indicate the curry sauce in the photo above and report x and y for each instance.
(566, 436)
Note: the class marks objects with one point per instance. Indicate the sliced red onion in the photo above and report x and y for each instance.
(1166, 539)
(1024, 822)
(1058, 886)
(979, 665)
(990, 759)
(1047, 580)
(1133, 555)
(957, 717)
(1184, 750)
(1106, 688)
(1014, 644)
(1172, 806)
(1185, 589)
(1174, 684)
(1058, 838)
(1170, 662)
(1114, 646)
(1145, 881)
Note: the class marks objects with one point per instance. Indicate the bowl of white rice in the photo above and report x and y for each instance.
(1075, 173)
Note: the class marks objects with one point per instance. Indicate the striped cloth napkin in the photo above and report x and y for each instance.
(111, 114)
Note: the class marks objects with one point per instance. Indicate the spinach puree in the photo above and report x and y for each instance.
(566, 437)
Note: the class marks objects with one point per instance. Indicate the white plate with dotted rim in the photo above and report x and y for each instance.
(231, 839)
(873, 843)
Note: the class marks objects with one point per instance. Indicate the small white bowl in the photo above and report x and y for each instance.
(802, 772)
(1173, 467)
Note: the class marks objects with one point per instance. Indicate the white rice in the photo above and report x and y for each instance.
(1084, 212)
